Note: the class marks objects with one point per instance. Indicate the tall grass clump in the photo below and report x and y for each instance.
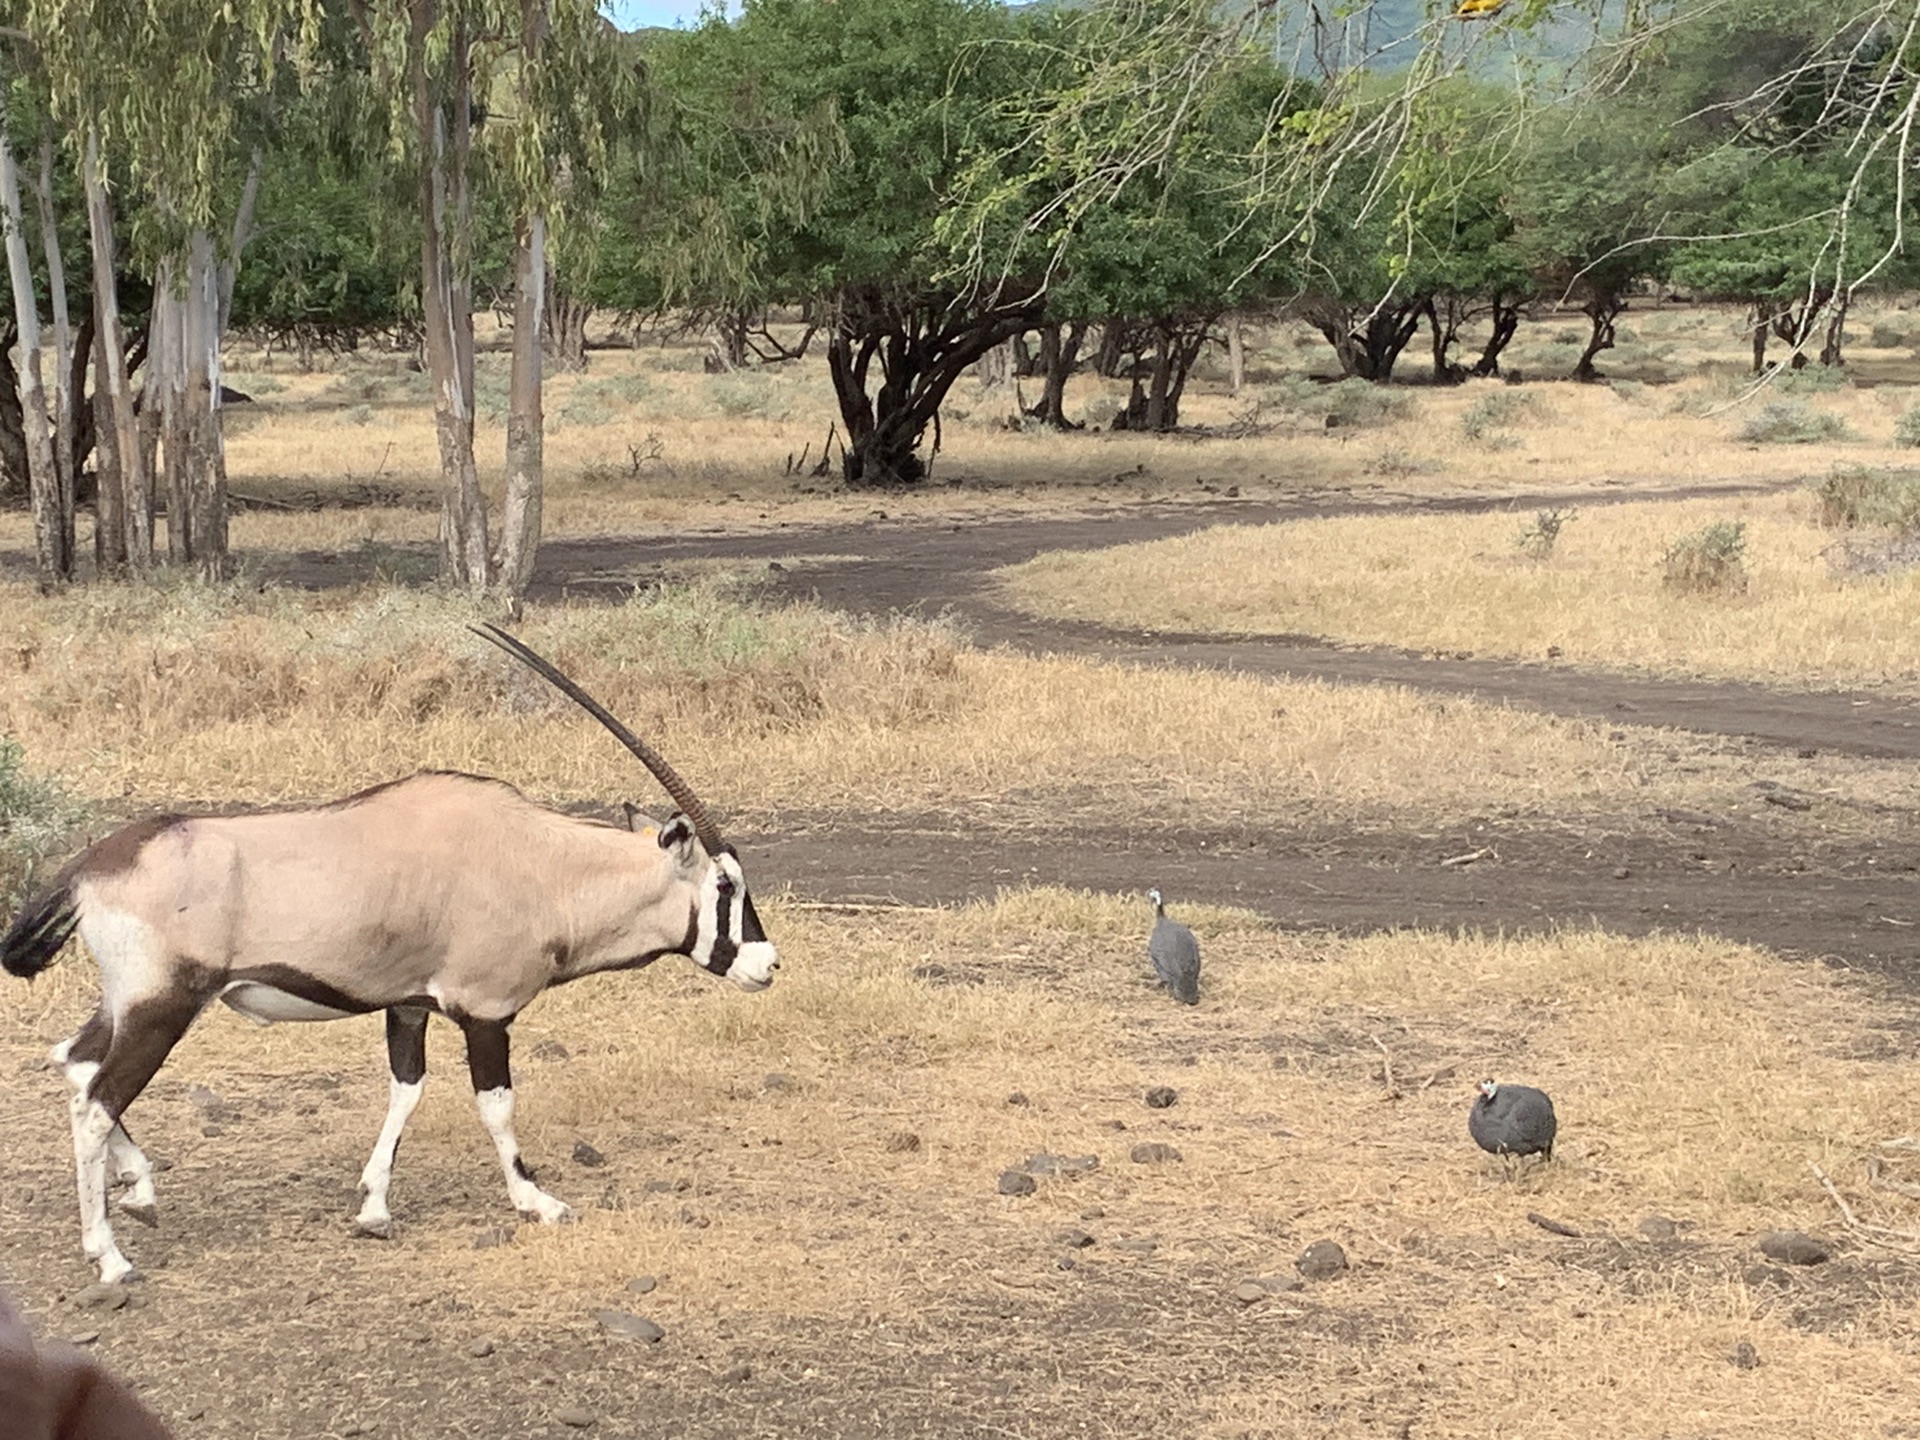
(747, 395)
(36, 815)
(1349, 403)
(1794, 422)
(1485, 418)
(1906, 430)
(1861, 495)
(1540, 538)
(1708, 561)
(598, 401)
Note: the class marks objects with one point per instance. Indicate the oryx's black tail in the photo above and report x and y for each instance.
(43, 925)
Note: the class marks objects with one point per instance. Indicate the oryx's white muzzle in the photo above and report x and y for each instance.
(753, 966)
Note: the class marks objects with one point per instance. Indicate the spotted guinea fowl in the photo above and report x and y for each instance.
(1175, 954)
(1512, 1120)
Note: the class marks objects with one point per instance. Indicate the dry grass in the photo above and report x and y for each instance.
(184, 695)
(1463, 583)
(1692, 1078)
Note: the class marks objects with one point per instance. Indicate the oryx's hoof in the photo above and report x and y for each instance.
(147, 1215)
(116, 1269)
(374, 1229)
(554, 1212)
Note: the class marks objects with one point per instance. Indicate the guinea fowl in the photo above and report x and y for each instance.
(1175, 954)
(1512, 1120)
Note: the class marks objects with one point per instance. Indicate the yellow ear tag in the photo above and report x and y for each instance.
(650, 831)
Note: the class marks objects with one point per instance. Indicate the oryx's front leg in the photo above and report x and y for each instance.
(79, 1058)
(493, 1093)
(407, 1060)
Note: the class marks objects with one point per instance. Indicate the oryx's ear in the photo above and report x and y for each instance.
(677, 835)
(635, 820)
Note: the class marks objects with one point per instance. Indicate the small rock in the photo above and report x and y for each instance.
(902, 1142)
(1154, 1152)
(776, 1082)
(1248, 1291)
(550, 1050)
(494, 1238)
(1794, 1247)
(1658, 1227)
(1066, 1262)
(1141, 1246)
(205, 1101)
(413, 1335)
(1161, 1096)
(1046, 1163)
(585, 1154)
(659, 1187)
(102, 1297)
(1808, 754)
(574, 1417)
(354, 1429)
(1093, 1212)
(1074, 1239)
(642, 1285)
(212, 1132)
(1767, 1277)
(1621, 872)
(85, 1337)
(479, 1349)
(1116, 1124)
(1744, 1356)
(735, 1374)
(1280, 1284)
(635, 1327)
(1322, 1260)
(1017, 1182)
(1017, 1098)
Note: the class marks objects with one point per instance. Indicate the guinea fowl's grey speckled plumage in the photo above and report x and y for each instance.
(1512, 1120)
(1175, 954)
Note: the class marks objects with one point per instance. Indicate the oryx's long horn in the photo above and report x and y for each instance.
(668, 777)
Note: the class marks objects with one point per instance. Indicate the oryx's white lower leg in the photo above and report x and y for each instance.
(131, 1167)
(496, 1113)
(374, 1218)
(92, 1126)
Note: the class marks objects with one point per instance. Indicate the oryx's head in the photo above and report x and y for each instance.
(723, 931)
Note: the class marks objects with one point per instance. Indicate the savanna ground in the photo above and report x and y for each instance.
(1438, 805)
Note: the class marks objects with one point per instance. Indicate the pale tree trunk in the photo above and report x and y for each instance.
(520, 525)
(63, 409)
(166, 398)
(1236, 354)
(52, 521)
(206, 456)
(445, 259)
(136, 488)
(109, 495)
(242, 232)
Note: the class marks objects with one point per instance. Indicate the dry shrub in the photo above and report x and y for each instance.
(1708, 561)
(1866, 495)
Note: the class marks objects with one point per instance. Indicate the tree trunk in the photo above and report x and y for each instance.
(1058, 353)
(520, 524)
(1024, 365)
(63, 398)
(1111, 358)
(242, 232)
(1443, 337)
(1602, 312)
(13, 425)
(729, 343)
(52, 503)
(136, 507)
(1236, 354)
(109, 490)
(165, 397)
(1368, 347)
(565, 327)
(1831, 352)
(1762, 323)
(1506, 323)
(206, 453)
(446, 250)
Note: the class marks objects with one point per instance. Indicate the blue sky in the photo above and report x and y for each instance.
(632, 14)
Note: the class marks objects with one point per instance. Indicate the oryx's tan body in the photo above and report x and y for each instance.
(443, 891)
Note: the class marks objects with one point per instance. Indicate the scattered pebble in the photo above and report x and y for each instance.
(1135, 1247)
(1161, 1096)
(1322, 1260)
(550, 1050)
(902, 1142)
(1621, 872)
(102, 1297)
(1066, 1262)
(1552, 1226)
(1248, 1291)
(1074, 1239)
(574, 1417)
(1794, 1247)
(1046, 1163)
(1657, 1227)
(636, 1327)
(413, 1335)
(1094, 1212)
(85, 1337)
(643, 1285)
(1017, 1098)
(212, 1132)
(1017, 1182)
(1744, 1356)
(735, 1374)
(1154, 1152)
(480, 1349)
(776, 1081)
(585, 1154)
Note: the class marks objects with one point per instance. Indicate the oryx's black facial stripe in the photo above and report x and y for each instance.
(750, 931)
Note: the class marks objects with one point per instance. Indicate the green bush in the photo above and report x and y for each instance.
(747, 395)
(1794, 422)
(1711, 560)
(1906, 430)
(1863, 495)
(1353, 403)
(1539, 539)
(1487, 415)
(1812, 380)
(1891, 335)
(36, 816)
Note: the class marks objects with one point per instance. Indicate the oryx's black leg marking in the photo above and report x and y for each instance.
(80, 1057)
(487, 1050)
(407, 1059)
(137, 1044)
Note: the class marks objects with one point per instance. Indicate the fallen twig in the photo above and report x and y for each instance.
(1386, 1068)
(1445, 1072)
(1553, 1227)
(1879, 1180)
(1883, 1235)
(1472, 855)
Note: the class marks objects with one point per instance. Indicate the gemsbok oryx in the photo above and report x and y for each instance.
(439, 893)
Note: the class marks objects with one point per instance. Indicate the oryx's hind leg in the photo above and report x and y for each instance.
(407, 1059)
(136, 1044)
(493, 1093)
(80, 1058)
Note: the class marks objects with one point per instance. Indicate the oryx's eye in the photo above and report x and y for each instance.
(724, 884)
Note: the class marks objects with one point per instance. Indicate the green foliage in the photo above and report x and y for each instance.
(747, 394)
(1539, 539)
(1794, 422)
(1906, 430)
(36, 816)
(1811, 380)
(1485, 419)
(1708, 561)
(1351, 404)
(1863, 495)
(598, 401)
